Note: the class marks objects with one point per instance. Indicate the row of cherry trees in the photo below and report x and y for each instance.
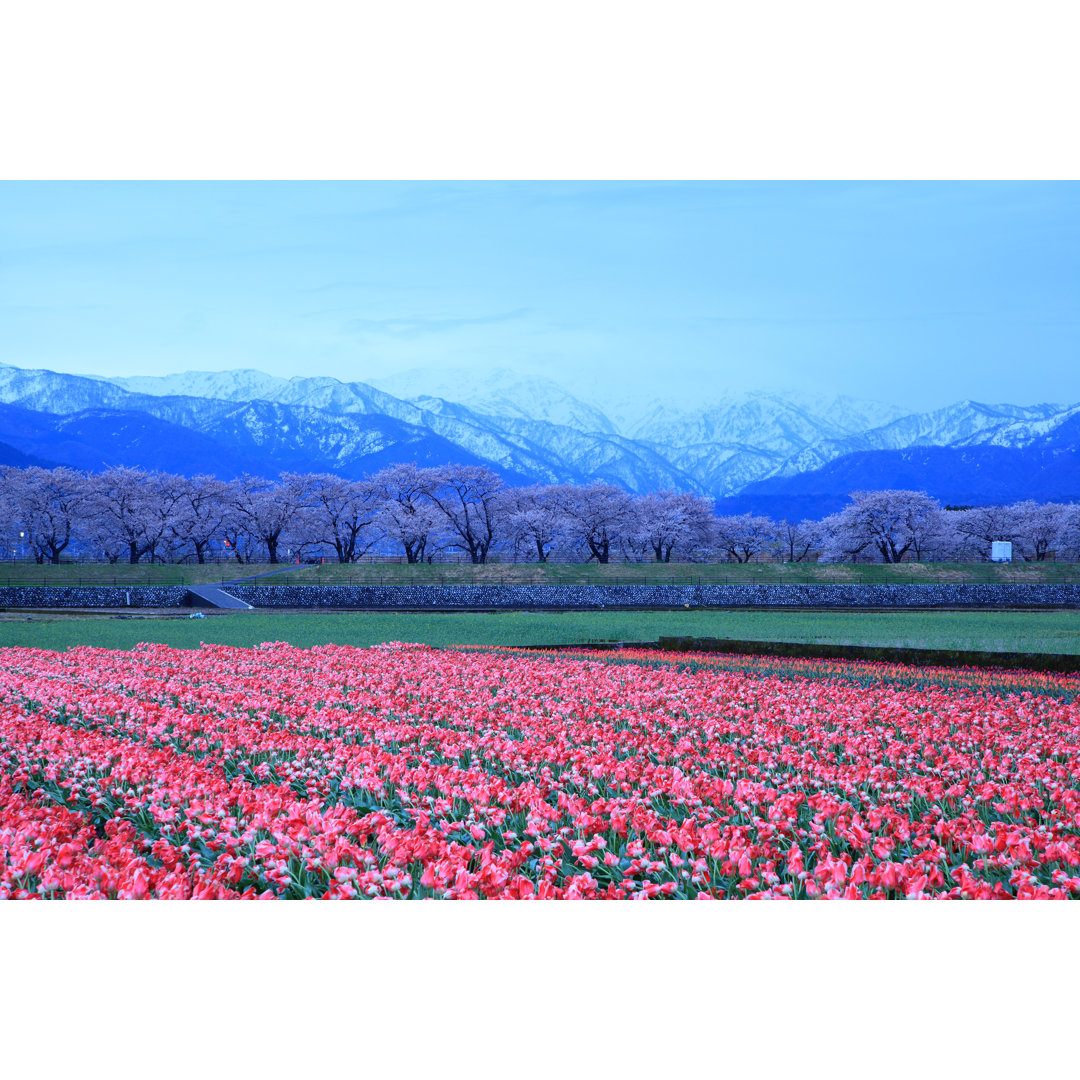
(424, 514)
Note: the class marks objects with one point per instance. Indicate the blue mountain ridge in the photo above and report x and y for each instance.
(96, 439)
(957, 476)
(766, 454)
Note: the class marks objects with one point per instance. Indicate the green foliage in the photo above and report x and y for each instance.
(1002, 631)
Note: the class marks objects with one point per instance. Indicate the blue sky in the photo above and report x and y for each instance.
(913, 293)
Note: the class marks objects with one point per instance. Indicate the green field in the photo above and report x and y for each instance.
(528, 573)
(999, 631)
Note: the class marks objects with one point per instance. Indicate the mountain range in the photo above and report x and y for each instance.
(785, 454)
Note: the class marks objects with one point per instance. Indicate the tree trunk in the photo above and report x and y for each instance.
(899, 553)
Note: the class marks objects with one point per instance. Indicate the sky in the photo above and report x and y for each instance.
(916, 294)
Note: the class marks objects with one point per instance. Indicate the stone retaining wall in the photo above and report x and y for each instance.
(596, 597)
(92, 596)
(555, 597)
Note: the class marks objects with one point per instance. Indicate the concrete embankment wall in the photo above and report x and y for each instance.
(557, 597)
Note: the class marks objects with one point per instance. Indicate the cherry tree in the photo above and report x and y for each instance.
(668, 521)
(163, 502)
(266, 509)
(49, 506)
(634, 541)
(236, 528)
(1070, 531)
(598, 517)
(533, 518)
(795, 540)
(839, 543)
(980, 526)
(10, 513)
(201, 512)
(742, 536)
(469, 498)
(406, 515)
(893, 522)
(342, 514)
(130, 511)
(948, 544)
(1039, 527)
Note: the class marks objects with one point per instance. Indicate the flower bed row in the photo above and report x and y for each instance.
(404, 771)
(861, 672)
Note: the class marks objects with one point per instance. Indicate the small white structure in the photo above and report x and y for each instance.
(1001, 551)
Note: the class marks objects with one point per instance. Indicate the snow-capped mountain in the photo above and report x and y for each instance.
(765, 420)
(500, 392)
(967, 423)
(324, 424)
(528, 428)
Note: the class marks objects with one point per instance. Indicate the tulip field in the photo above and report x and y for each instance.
(405, 771)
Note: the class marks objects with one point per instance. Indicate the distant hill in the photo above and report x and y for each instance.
(958, 476)
(10, 456)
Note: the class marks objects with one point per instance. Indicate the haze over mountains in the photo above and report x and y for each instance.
(785, 454)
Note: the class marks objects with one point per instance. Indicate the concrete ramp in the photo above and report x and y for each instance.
(212, 596)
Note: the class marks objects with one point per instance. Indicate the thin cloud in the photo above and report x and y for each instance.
(334, 286)
(830, 320)
(47, 309)
(418, 327)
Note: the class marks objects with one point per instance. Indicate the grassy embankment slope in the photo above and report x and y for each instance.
(549, 573)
